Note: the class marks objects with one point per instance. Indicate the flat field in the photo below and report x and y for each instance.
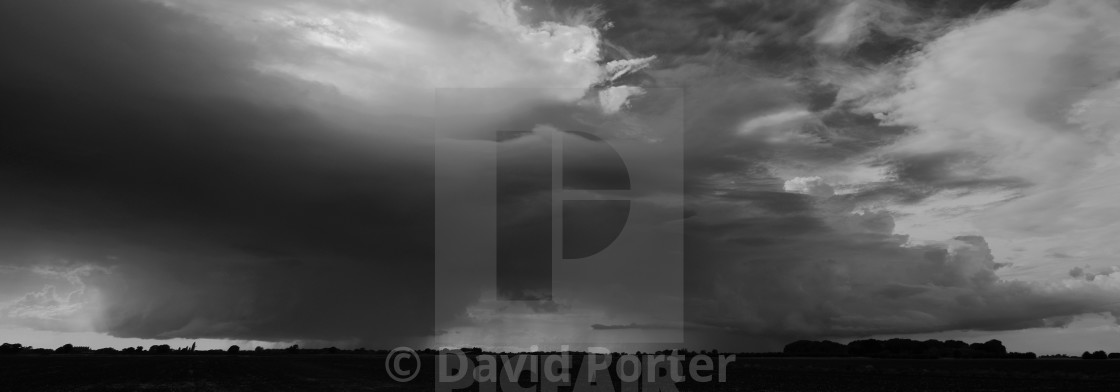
(344, 372)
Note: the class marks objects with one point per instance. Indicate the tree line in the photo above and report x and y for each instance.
(908, 348)
(160, 349)
(873, 348)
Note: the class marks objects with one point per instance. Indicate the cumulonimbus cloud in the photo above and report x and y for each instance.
(314, 222)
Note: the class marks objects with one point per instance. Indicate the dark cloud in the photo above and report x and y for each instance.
(762, 281)
(143, 140)
(943, 171)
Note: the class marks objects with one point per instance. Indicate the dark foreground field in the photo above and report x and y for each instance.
(367, 372)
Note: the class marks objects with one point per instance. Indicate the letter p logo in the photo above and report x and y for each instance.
(561, 211)
(526, 190)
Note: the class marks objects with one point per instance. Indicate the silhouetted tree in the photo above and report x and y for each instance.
(14, 348)
(1094, 355)
(993, 347)
(65, 349)
(1114, 356)
(234, 349)
(865, 348)
(160, 349)
(955, 344)
(293, 349)
(1057, 356)
(258, 349)
(902, 348)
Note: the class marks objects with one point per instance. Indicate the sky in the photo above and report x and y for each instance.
(264, 172)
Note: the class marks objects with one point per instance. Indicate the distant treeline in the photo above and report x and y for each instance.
(16, 348)
(893, 348)
(907, 348)
(10, 349)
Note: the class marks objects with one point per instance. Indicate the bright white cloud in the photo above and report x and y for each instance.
(850, 24)
(612, 99)
(1030, 93)
(788, 118)
(1004, 86)
(391, 56)
(617, 68)
(814, 186)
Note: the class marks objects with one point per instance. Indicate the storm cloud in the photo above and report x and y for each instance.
(264, 170)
